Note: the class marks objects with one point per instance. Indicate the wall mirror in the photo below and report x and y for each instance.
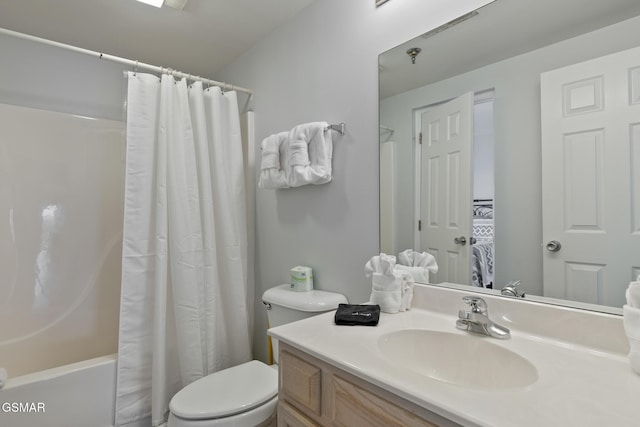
(510, 149)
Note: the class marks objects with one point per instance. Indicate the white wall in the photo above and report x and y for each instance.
(518, 176)
(324, 66)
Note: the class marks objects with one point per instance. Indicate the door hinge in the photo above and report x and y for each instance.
(419, 225)
(420, 138)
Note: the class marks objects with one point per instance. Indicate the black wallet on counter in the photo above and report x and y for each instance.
(353, 314)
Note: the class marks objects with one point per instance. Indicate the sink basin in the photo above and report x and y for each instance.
(465, 360)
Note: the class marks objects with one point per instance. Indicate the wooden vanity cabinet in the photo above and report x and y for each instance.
(315, 393)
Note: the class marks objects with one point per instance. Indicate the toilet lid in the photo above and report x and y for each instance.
(227, 392)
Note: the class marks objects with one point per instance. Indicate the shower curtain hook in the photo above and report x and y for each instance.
(135, 68)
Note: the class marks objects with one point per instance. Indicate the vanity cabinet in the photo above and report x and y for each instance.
(315, 393)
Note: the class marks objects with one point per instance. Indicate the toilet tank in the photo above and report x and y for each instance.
(286, 306)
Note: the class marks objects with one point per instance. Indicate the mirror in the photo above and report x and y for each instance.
(542, 90)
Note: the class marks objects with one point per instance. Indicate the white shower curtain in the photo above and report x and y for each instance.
(183, 309)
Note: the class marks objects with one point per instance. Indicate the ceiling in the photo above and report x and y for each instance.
(200, 40)
(502, 29)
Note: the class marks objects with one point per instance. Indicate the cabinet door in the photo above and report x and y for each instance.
(300, 382)
(354, 406)
(289, 417)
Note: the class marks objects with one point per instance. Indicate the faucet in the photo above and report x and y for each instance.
(477, 320)
(511, 289)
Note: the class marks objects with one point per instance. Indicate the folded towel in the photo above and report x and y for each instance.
(631, 322)
(353, 314)
(389, 301)
(411, 258)
(310, 150)
(385, 283)
(273, 162)
(382, 264)
(633, 294)
(391, 288)
(392, 293)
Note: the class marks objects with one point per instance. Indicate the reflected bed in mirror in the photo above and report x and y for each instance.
(510, 149)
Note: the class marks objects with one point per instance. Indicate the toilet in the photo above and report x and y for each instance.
(246, 395)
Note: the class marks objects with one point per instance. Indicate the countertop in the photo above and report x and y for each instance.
(578, 384)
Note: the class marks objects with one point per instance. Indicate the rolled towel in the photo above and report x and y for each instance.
(389, 302)
(352, 315)
(411, 258)
(310, 150)
(633, 294)
(273, 163)
(631, 322)
(3, 377)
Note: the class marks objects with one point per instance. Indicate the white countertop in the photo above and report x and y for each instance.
(578, 384)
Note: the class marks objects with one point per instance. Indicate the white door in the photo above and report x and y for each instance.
(591, 178)
(446, 189)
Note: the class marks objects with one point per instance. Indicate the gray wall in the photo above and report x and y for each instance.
(518, 177)
(324, 66)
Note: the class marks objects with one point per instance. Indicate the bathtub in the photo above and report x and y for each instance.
(80, 394)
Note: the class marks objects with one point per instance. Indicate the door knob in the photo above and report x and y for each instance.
(554, 246)
(460, 240)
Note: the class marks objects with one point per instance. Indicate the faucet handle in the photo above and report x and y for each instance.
(478, 305)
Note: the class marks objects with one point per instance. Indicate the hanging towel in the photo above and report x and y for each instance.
(273, 163)
(419, 264)
(631, 322)
(309, 154)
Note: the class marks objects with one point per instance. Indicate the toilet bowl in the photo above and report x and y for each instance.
(246, 395)
(243, 395)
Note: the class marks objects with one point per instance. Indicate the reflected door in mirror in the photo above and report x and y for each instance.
(591, 184)
(446, 188)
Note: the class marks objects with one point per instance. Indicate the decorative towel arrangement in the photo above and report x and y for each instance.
(419, 264)
(299, 157)
(631, 320)
(354, 315)
(274, 161)
(391, 288)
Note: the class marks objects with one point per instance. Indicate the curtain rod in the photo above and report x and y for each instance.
(138, 65)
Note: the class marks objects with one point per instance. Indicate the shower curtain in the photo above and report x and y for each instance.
(183, 308)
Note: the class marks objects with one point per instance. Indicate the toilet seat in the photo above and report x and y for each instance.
(226, 393)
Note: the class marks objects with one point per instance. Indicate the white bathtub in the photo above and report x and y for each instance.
(81, 394)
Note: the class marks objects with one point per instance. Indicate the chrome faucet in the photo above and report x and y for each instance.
(477, 320)
(511, 290)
